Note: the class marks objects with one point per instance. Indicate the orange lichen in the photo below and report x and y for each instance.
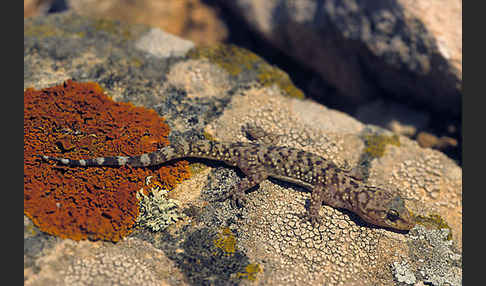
(76, 120)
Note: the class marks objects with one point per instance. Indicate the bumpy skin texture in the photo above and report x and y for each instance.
(336, 187)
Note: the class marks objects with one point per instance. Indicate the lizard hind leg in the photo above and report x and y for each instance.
(315, 204)
(237, 191)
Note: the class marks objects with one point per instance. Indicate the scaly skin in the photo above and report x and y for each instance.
(328, 183)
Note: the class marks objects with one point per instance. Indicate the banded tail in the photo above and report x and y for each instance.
(149, 159)
(181, 149)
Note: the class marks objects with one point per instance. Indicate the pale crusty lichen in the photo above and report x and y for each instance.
(157, 211)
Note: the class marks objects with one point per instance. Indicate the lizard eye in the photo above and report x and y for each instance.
(392, 215)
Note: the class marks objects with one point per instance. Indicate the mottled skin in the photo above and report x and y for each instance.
(336, 187)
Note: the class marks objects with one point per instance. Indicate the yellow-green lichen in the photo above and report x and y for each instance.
(434, 221)
(226, 241)
(251, 271)
(157, 211)
(46, 30)
(208, 136)
(269, 75)
(119, 29)
(236, 60)
(376, 144)
(196, 168)
(40, 31)
(229, 57)
(136, 62)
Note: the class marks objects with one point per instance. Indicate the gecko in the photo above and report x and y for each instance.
(329, 184)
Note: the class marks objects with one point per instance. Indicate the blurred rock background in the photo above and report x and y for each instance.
(394, 64)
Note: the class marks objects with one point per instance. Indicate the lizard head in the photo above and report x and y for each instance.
(383, 208)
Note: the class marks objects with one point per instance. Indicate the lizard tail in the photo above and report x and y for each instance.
(149, 159)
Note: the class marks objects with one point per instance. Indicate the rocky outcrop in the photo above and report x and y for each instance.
(211, 93)
(410, 50)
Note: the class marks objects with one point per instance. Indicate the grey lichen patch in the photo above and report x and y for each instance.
(56, 46)
(203, 262)
(30, 230)
(36, 244)
(218, 182)
(157, 211)
(403, 273)
(435, 260)
(67, 25)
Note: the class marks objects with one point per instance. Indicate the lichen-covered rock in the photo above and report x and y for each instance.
(130, 262)
(77, 120)
(410, 49)
(269, 241)
(157, 211)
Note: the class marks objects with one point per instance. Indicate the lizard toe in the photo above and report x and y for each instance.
(315, 220)
(237, 199)
(222, 197)
(241, 201)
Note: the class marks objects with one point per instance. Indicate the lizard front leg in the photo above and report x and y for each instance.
(317, 197)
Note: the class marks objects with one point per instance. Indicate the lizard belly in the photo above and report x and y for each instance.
(293, 181)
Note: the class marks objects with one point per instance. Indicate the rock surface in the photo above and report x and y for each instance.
(267, 242)
(411, 49)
